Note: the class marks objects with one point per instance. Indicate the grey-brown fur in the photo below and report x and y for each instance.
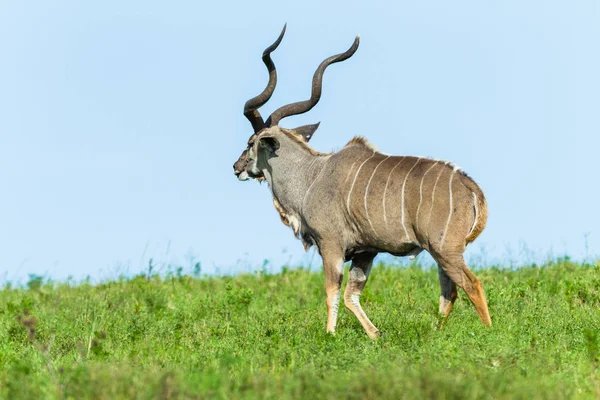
(357, 202)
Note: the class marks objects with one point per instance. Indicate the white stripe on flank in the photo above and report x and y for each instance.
(421, 193)
(367, 191)
(450, 213)
(386, 186)
(476, 212)
(354, 181)
(404, 184)
(349, 172)
(432, 201)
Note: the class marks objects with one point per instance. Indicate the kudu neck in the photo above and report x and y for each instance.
(291, 173)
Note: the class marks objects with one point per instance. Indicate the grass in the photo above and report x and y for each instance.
(263, 336)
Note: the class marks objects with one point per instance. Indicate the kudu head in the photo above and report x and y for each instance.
(244, 167)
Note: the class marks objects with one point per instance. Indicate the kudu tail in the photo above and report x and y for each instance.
(479, 207)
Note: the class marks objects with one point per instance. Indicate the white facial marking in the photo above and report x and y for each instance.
(421, 193)
(367, 191)
(354, 181)
(243, 176)
(386, 186)
(403, 185)
(450, 213)
(253, 161)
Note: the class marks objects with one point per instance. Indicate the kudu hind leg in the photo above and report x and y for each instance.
(448, 293)
(359, 274)
(456, 269)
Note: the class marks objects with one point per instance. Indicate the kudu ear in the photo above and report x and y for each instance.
(306, 131)
(269, 143)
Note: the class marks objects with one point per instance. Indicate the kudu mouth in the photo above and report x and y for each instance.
(245, 175)
(242, 174)
(240, 168)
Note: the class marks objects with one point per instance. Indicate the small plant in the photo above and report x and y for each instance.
(35, 282)
(197, 269)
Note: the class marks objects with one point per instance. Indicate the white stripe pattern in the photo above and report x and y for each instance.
(451, 207)
(476, 213)
(367, 191)
(403, 185)
(421, 193)
(349, 172)
(354, 181)
(432, 201)
(386, 186)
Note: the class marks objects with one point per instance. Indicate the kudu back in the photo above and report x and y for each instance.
(357, 202)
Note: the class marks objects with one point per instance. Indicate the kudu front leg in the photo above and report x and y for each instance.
(333, 263)
(359, 274)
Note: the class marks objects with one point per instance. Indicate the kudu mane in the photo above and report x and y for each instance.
(361, 141)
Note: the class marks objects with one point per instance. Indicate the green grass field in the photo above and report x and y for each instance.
(263, 336)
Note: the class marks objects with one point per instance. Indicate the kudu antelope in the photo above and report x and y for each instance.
(357, 202)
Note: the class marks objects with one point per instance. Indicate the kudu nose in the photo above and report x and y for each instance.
(237, 171)
(238, 167)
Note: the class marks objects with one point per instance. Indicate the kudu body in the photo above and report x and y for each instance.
(357, 202)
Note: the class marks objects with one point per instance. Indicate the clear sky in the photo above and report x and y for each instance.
(120, 122)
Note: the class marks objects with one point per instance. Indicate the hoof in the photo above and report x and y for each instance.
(375, 335)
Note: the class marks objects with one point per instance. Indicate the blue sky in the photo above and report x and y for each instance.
(120, 122)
